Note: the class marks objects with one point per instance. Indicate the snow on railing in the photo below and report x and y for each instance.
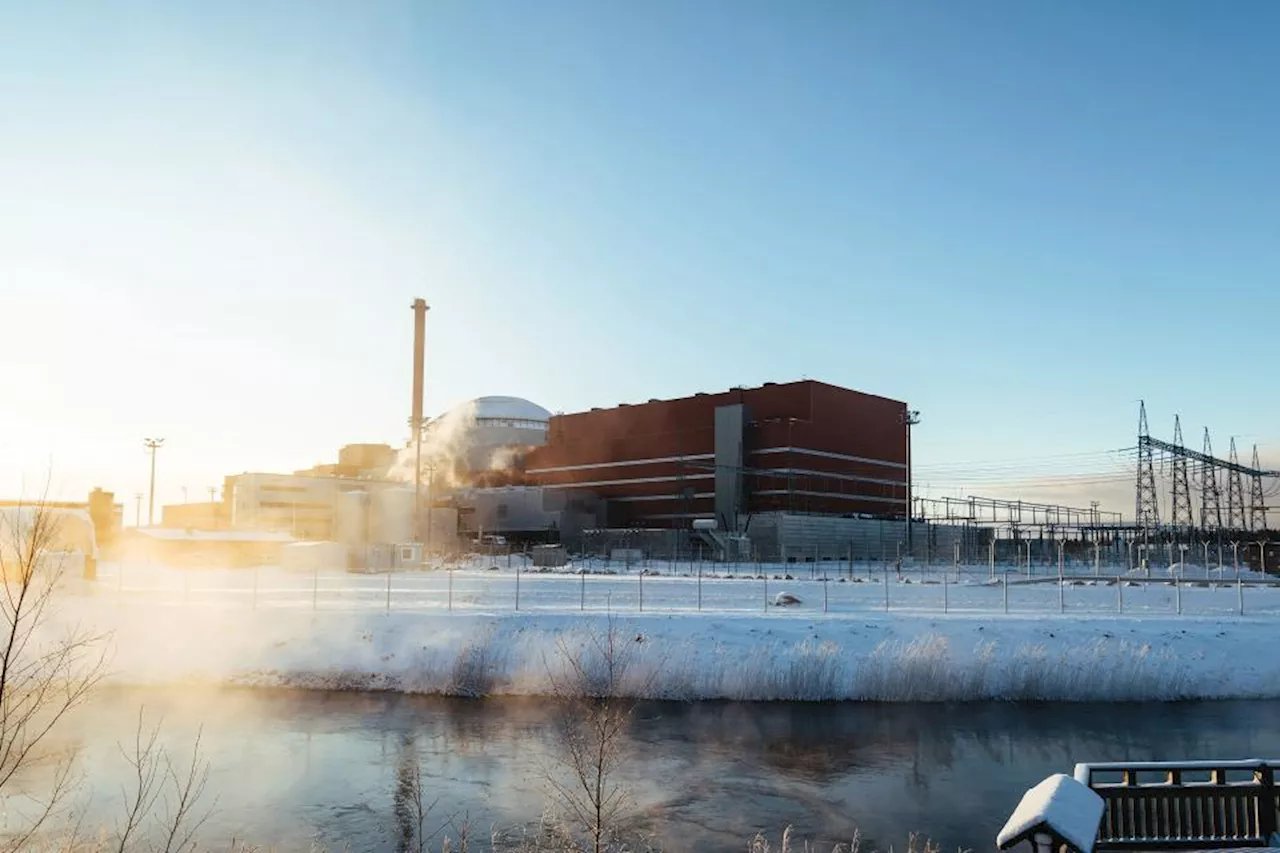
(1059, 812)
(1152, 805)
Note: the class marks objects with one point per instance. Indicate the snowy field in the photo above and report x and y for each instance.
(1083, 639)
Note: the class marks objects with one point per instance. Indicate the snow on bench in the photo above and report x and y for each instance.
(1058, 811)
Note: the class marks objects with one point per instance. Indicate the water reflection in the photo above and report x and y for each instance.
(338, 769)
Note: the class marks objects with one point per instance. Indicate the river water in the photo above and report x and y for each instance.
(293, 769)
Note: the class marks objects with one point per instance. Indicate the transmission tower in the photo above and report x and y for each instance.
(1147, 511)
(1182, 515)
(1235, 493)
(1210, 496)
(1257, 508)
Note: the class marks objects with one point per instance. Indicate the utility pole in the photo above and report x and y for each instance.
(1235, 492)
(152, 444)
(137, 509)
(431, 474)
(1147, 510)
(1257, 505)
(1182, 515)
(910, 417)
(1210, 495)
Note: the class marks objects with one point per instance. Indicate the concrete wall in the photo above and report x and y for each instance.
(786, 536)
(515, 509)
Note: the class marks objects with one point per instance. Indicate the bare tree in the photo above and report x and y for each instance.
(155, 780)
(44, 673)
(594, 685)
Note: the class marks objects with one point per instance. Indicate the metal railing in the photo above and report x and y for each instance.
(1184, 805)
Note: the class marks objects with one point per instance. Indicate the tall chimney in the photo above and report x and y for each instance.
(419, 345)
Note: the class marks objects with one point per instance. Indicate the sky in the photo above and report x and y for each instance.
(1019, 217)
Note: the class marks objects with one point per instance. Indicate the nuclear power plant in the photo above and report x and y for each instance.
(745, 471)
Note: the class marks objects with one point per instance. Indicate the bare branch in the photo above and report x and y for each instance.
(145, 761)
(181, 822)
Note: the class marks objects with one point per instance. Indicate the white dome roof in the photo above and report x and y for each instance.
(508, 408)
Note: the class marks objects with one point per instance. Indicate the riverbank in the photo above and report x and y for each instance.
(300, 771)
(784, 655)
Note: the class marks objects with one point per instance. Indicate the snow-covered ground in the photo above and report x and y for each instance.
(336, 630)
(828, 589)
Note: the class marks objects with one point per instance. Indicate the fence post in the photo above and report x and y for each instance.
(1177, 594)
(1006, 592)
(1119, 594)
(1240, 594)
(1266, 816)
(825, 583)
(582, 604)
(993, 557)
(1097, 558)
(517, 587)
(699, 587)
(766, 592)
(944, 593)
(1062, 596)
(1062, 545)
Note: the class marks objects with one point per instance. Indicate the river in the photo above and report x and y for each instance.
(289, 769)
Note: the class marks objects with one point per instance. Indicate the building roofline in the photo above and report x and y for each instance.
(794, 382)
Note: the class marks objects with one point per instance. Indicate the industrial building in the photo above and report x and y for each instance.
(770, 470)
(104, 515)
(800, 447)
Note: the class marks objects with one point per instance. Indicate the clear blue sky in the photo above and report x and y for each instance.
(1019, 217)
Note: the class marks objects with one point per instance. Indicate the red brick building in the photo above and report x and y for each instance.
(804, 447)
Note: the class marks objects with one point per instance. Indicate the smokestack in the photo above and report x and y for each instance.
(419, 346)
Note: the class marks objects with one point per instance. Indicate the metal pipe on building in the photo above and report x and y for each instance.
(910, 417)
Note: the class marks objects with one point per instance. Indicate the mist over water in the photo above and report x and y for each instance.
(293, 768)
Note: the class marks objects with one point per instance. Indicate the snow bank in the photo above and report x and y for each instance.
(889, 657)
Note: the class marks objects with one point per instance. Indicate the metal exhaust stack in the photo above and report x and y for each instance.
(415, 419)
